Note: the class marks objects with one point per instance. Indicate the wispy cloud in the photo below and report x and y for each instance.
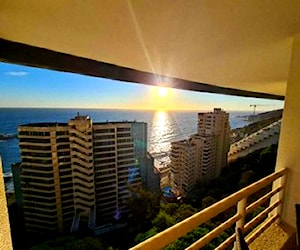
(16, 73)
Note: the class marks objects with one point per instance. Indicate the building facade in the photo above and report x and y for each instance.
(201, 157)
(46, 177)
(80, 171)
(214, 126)
(183, 164)
(5, 231)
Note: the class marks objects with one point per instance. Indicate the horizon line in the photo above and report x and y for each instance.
(136, 109)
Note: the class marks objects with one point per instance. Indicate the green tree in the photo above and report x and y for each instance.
(163, 221)
(88, 243)
(143, 236)
(71, 243)
(208, 201)
(267, 161)
(188, 239)
(184, 211)
(57, 244)
(143, 208)
(170, 208)
(177, 245)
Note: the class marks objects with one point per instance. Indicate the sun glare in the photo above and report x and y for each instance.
(162, 92)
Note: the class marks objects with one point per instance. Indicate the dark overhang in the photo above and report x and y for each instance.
(18, 53)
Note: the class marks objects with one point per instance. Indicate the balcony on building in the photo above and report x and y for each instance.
(245, 48)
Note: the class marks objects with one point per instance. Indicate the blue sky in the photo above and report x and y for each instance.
(22, 86)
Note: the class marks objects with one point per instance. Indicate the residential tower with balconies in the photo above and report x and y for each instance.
(201, 157)
(80, 171)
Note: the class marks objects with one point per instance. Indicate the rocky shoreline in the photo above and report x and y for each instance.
(7, 136)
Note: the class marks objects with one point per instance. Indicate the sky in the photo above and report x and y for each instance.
(22, 86)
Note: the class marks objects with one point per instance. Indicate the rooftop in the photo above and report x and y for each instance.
(55, 124)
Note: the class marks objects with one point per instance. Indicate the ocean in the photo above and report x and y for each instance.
(163, 126)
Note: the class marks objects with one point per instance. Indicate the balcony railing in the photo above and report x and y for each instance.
(239, 199)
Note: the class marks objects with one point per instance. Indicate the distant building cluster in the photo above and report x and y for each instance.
(80, 172)
(202, 156)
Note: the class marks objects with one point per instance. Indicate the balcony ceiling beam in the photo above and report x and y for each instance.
(23, 54)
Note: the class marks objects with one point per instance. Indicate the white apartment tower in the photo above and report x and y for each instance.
(186, 162)
(79, 170)
(214, 127)
(201, 157)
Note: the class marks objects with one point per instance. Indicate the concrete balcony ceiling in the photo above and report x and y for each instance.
(230, 47)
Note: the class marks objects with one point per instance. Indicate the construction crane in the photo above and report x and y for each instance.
(254, 107)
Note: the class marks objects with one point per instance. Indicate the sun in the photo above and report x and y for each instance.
(162, 92)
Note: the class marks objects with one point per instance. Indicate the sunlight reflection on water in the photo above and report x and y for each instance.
(166, 127)
(161, 130)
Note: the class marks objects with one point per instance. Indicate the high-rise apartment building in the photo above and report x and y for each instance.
(5, 230)
(80, 171)
(214, 126)
(201, 157)
(46, 176)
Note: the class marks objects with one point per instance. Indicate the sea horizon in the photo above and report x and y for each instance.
(163, 126)
(142, 109)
